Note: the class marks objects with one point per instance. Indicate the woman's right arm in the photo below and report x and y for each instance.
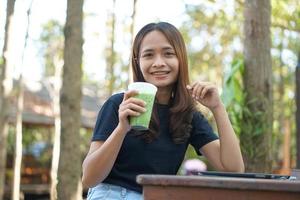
(101, 157)
(102, 154)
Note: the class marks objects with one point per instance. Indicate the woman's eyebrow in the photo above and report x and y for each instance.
(168, 48)
(151, 50)
(147, 50)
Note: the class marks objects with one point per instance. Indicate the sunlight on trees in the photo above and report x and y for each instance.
(214, 35)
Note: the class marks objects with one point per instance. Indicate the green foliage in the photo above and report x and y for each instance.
(286, 15)
(213, 34)
(211, 39)
(85, 138)
(52, 41)
(286, 46)
(36, 142)
(249, 122)
(254, 131)
(233, 96)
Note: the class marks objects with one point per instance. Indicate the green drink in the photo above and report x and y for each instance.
(147, 93)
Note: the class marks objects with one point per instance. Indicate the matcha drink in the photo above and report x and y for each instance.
(147, 93)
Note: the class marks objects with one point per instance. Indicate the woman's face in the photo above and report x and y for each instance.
(158, 61)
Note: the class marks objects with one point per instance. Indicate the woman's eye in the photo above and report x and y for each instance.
(147, 55)
(170, 54)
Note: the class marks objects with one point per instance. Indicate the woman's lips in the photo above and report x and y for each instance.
(160, 74)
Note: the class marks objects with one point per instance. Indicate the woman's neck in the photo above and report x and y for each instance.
(163, 96)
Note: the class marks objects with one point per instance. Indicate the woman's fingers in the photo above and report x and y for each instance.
(129, 93)
(129, 112)
(207, 88)
(199, 89)
(206, 93)
(131, 106)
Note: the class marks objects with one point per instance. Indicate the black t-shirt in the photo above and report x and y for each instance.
(161, 156)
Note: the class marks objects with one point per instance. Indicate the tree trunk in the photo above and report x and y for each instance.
(298, 112)
(69, 169)
(19, 121)
(111, 55)
(18, 144)
(130, 75)
(5, 90)
(57, 132)
(256, 138)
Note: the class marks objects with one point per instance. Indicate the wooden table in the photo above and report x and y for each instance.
(168, 187)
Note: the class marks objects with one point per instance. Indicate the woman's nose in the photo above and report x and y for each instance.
(158, 61)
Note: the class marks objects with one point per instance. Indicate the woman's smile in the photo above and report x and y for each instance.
(160, 74)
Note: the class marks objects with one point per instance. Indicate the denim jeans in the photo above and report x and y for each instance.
(105, 191)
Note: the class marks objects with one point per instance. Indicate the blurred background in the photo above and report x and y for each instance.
(32, 65)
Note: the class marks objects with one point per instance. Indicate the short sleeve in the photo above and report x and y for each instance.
(107, 119)
(202, 133)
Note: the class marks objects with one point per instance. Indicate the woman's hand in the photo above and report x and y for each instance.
(205, 93)
(130, 106)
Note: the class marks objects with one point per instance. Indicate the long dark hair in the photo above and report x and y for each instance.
(181, 104)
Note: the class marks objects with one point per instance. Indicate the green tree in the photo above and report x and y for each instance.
(212, 42)
(285, 47)
(52, 42)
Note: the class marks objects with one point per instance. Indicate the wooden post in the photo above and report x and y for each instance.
(286, 148)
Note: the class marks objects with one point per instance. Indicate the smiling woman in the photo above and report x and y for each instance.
(118, 152)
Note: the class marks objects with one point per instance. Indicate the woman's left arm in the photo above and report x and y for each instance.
(224, 154)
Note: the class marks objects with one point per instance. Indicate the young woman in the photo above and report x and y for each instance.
(118, 153)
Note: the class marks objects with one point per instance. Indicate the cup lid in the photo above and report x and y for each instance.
(144, 87)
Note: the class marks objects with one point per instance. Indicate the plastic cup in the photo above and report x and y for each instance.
(146, 92)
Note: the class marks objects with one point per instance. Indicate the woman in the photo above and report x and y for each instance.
(118, 153)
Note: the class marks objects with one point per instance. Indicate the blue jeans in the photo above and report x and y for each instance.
(105, 191)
